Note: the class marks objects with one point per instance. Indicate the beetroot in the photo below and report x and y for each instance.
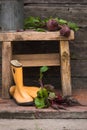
(52, 25)
(65, 31)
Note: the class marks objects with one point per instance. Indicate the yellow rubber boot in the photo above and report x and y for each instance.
(22, 95)
(31, 90)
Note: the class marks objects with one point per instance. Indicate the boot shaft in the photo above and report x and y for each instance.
(17, 72)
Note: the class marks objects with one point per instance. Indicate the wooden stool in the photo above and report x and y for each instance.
(53, 59)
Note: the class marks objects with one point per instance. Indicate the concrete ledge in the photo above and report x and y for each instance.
(43, 115)
(9, 110)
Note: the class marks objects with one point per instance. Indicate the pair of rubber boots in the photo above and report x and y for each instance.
(23, 95)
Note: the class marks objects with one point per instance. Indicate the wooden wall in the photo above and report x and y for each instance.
(71, 10)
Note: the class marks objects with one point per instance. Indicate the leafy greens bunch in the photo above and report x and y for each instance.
(39, 24)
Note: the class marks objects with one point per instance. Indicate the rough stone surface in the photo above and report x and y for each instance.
(44, 124)
(10, 110)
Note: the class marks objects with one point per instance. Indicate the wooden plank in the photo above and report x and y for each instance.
(78, 50)
(81, 34)
(79, 82)
(55, 1)
(79, 68)
(38, 59)
(33, 35)
(6, 72)
(59, 11)
(65, 68)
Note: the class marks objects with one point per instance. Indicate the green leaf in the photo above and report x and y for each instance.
(40, 30)
(62, 21)
(43, 69)
(47, 19)
(73, 26)
(32, 22)
(52, 95)
(42, 93)
(45, 92)
(39, 25)
(40, 102)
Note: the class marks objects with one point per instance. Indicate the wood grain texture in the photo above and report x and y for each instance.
(79, 82)
(69, 13)
(81, 34)
(65, 68)
(71, 10)
(38, 59)
(6, 71)
(33, 35)
(78, 50)
(79, 68)
(55, 1)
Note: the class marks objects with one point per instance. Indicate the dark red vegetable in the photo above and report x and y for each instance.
(52, 25)
(65, 31)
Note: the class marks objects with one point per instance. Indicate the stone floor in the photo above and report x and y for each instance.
(10, 110)
(43, 124)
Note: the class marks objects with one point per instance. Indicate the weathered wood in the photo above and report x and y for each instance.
(79, 82)
(55, 1)
(6, 72)
(38, 59)
(72, 10)
(79, 68)
(65, 68)
(69, 13)
(33, 35)
(78, 50)
(81, 34)
(12, 14)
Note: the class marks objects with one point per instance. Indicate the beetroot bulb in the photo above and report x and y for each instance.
(52, 25)
(65, 31)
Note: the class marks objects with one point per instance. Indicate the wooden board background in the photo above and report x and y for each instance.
(71, 10)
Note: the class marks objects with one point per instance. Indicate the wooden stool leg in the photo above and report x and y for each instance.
(65, 68)
(6, 72)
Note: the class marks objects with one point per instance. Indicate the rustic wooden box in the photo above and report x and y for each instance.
(55, 59)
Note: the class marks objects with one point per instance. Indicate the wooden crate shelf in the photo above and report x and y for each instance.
(61, 59)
